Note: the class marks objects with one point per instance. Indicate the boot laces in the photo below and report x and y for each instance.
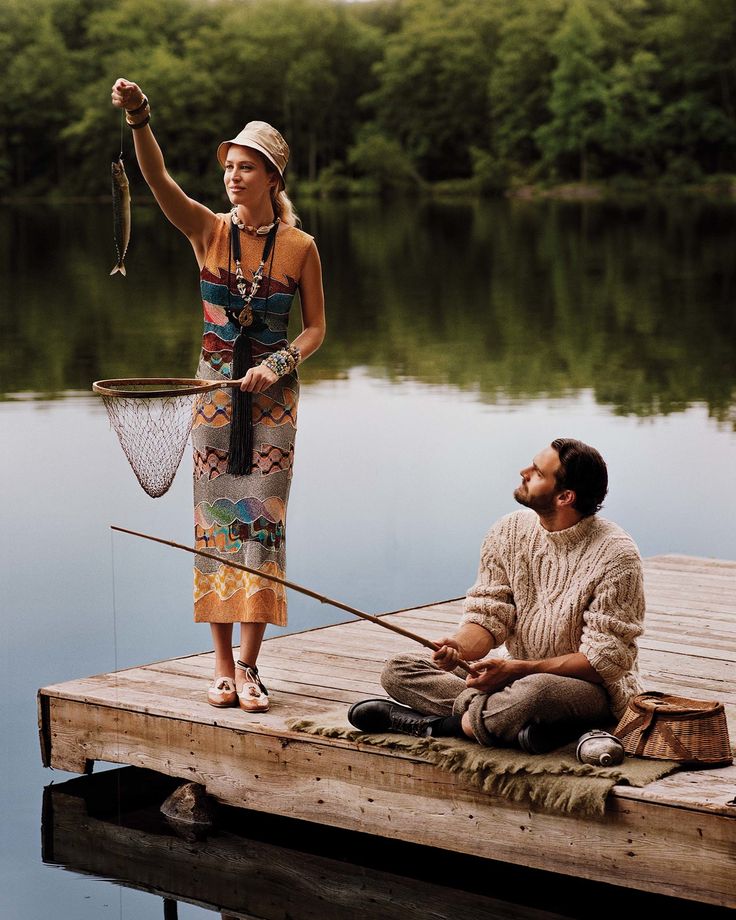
(410, 722)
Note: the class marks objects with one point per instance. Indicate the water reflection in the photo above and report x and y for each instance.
(109, 826)
(260, 866)
(547, 317)
(510, 299)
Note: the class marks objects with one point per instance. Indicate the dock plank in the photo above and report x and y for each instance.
(676, 836)
(637, 844)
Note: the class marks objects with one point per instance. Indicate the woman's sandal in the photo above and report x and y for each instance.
(253, 697)
(222, 693)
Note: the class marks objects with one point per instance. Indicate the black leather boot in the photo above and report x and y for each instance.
(538, 738)
(387, 716)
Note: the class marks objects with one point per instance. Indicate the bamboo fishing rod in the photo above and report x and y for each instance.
(427, 643)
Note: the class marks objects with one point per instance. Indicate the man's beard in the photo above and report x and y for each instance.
(542, 504)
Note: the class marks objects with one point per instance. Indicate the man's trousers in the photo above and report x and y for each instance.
(496, 718)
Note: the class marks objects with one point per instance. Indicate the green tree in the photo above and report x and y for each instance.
(432, 92)
(383, 160)
(520, 82)
(506, 91)
(696, 43)
(578, 99)
(154, 52)
(39, 76)
(300, 64)
(630, 133)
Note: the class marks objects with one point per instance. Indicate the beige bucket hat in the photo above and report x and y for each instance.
(261, 137)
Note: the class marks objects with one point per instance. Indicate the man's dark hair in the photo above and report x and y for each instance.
(584, 471)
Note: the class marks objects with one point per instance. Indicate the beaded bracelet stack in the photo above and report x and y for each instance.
(144, 107)
(284, 361)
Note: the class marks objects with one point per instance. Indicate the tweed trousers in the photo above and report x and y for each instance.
(496, 718)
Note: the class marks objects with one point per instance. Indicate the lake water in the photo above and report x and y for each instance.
(462, 339)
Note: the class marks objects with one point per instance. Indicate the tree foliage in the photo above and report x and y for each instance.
(506, 91)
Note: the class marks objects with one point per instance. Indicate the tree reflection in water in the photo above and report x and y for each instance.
(515, 300)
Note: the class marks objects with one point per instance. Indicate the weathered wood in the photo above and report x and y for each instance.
(707, 790)
(696, 563)
(676, 836)
(44, 729)
(639, 843)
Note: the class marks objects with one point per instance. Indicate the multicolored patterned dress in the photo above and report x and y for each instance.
(243, 517)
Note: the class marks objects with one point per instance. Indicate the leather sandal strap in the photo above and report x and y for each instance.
(251, 673)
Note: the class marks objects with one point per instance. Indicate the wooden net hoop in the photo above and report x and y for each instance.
(153, 387)
(152, 418)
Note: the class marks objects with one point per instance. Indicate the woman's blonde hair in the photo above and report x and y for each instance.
(282, 206)
(284, 209)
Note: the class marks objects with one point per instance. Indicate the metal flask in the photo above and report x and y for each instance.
(600, 748)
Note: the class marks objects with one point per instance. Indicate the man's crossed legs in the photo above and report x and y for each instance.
(537, 712)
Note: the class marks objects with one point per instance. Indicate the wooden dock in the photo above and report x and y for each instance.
(676, 836)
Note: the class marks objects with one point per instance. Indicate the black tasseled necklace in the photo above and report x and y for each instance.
(240, 453)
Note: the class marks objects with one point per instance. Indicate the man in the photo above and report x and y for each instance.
(562, 590)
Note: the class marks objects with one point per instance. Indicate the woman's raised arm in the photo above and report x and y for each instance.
(193, 219)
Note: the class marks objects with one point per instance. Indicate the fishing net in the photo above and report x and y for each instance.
(153, 420)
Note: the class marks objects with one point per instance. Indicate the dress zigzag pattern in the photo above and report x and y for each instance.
(243, 518)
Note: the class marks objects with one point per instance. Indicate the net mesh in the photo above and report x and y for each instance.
(153, 432)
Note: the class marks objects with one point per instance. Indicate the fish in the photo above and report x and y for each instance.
(120, 213)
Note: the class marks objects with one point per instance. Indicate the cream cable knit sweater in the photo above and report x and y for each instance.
(545, 594)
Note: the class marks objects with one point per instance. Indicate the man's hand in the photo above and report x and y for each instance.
(448, 654)
(470, 642)
(493, 673)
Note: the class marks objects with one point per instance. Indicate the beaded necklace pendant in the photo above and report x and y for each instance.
(246, 316)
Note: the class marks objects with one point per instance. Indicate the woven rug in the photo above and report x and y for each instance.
(551, 782)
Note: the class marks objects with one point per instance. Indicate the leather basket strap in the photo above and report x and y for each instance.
(674, 742)
(631, 726)
(647, 721)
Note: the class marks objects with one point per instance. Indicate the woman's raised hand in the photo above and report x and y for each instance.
(126, 95)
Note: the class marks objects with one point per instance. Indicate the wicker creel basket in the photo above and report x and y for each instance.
(665, 727)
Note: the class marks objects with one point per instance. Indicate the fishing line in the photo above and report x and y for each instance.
(119, 793)
(115, 636)
(115, 628)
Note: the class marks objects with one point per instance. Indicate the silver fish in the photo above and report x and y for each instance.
(120, 213)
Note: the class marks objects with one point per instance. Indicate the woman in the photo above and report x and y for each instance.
(251, 261)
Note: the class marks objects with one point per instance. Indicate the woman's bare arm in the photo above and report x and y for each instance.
(194, 220)
(312, 297)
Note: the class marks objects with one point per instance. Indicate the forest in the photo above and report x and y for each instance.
(378, 96)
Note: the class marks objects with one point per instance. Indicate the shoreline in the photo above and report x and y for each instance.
(716, 189)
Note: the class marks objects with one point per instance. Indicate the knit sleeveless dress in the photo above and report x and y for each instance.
(243, 518)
